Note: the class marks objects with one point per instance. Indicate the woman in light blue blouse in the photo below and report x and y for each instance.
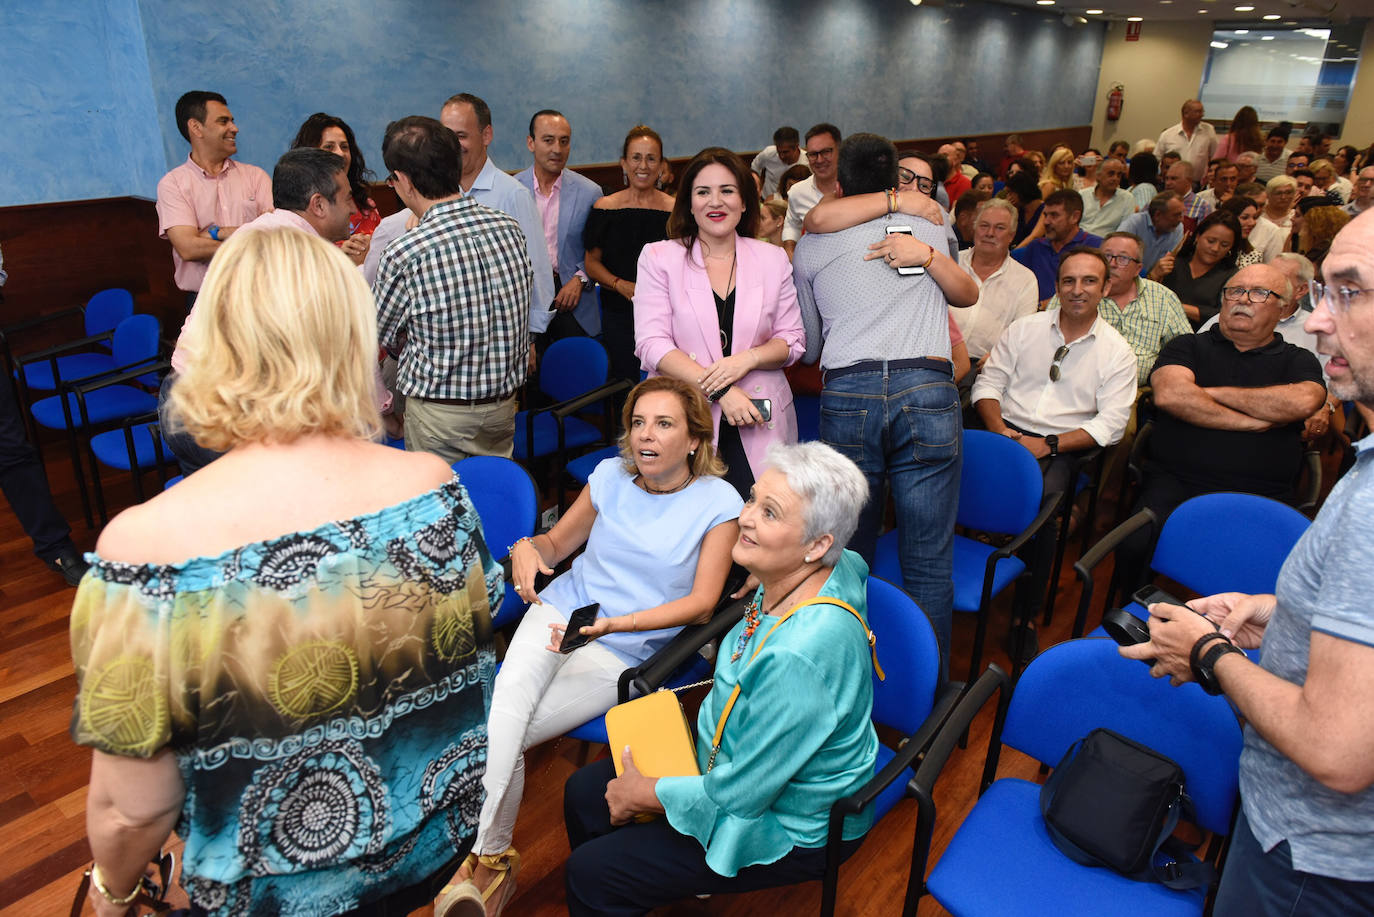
(799, 737)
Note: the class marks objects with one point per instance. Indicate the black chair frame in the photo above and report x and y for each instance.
(1097, 457)
(565, 409)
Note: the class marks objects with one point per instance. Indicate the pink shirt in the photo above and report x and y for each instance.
(548, 212)
(190, 196)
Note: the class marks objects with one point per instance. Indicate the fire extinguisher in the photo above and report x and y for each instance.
(1115, 99)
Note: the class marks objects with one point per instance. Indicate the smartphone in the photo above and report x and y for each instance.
(573, 636)
(765, 408)
(1150, 594)
(905, 230)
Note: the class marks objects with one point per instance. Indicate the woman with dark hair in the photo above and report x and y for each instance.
(1243, 137)
(716, 308)
(619, 226)
(1202, 266)
(1246, 213)
(1344, 160)
(327, 132)
(984, 182)
(1143, 175)
(799, 172)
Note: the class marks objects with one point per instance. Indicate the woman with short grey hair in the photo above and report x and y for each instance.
(794, 687)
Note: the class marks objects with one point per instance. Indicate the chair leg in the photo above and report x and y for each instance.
(1061, 542)
(77, 470)
(97, 487)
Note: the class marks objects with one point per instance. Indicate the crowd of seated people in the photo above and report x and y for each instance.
(1053, 289)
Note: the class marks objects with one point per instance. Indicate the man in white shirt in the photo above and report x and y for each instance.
(1007, 289)
(1106, 204)
(1193, 139)
(1060, 382)
(1363, 196)
(774, 160)
(822, 144)
(1223, 187)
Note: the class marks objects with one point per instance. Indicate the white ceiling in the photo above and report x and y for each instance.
(1208, 10)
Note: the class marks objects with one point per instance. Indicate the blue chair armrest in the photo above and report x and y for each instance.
(1085, 565)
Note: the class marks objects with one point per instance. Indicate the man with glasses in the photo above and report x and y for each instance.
(1304, 840)
(1230, 406)
(1363, 197)
(1159, 227)
(1063, 209)
(1059, 382)
(822, 144)
(1106, 204)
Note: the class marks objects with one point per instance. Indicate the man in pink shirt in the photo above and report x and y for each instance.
(312, 187)
(202, 201)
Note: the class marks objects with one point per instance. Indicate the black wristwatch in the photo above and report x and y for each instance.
(1053, 442)
(1208, 649)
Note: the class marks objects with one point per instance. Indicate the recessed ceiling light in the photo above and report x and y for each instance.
(1272, 16)
(1220, 45)
(1165, 2)
(1093, 12)
(1134, 19)
(1266, 38)
(1242, 31)
(1044, 2)
(1244, 9)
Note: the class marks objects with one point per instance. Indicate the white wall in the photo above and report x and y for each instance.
(1359, 122)
(1158, 72)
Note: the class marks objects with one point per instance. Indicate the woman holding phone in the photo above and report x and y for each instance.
(716, 308)
(658, 524)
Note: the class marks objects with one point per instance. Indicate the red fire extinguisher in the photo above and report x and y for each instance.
(1115, 99)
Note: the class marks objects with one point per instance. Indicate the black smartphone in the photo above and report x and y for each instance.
(1149, 594)
(906, 231)
(765, 408)
(573, 636)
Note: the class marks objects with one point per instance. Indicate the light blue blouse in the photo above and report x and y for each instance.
(800, 736)
(642, 552)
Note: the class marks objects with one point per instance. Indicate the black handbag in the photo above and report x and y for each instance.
(1113, 802)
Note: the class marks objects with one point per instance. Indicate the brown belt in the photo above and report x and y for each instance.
(466, 402)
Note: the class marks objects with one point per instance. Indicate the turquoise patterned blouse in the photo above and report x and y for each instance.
(325, 694)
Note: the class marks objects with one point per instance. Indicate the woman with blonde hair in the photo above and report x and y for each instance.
(658, 523)
(246, 641)
(1058, 174)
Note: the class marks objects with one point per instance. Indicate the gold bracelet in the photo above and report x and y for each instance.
(930, 259)
(104, 892)
(634, 620)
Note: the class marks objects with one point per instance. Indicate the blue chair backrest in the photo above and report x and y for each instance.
(106, 309)
(135, 340)
(1196, 547)
(504, 496)
(1075, 687)
(573, 366)
(1000, 486)
(908, 653)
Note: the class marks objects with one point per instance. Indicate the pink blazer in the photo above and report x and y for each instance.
(676, 310)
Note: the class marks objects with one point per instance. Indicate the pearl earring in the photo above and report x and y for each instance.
(693, 452)
(807, 559)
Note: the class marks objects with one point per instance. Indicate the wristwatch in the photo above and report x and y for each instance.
(1053, 442)
(1208, 649)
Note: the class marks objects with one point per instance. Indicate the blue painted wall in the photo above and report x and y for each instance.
(75, 102)
(702, 72)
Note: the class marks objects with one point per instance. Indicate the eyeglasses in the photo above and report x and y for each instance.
(390, 178)
(908, 177)
(1254, 294)
(1341, 298)
(1122, 260)
(1055, 369)
(820, 154)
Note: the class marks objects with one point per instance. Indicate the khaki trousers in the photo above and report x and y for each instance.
(455, 431)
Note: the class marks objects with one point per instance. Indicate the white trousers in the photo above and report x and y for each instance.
(539, 694)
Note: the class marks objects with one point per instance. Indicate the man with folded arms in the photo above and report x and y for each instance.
(456, 289)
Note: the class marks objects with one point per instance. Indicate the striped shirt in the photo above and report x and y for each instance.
(457, 289)
(1152, 319)
(1196, 208)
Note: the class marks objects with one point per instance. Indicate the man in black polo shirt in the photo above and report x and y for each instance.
(1230, 408)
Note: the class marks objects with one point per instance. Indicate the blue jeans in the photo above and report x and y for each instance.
(190, 455)
(1259, 884)
(904, 427)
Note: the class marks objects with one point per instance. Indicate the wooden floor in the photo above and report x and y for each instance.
(43, 776)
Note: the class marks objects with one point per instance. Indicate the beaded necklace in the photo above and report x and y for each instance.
(752, 618)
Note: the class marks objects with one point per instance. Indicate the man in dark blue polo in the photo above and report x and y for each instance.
(1063, 209)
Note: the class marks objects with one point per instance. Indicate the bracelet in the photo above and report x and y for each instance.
(1196, 655)
(213, 230)
(104, 892)
(634, 622)
(529, 538)
(930, 259)
(719, 393)
(891, 200)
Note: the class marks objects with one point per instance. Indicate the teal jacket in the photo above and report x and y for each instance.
(800, 736)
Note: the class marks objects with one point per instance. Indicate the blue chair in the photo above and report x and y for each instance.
(134, 446)
(1001, 493)
(573, 374)
(44, 370)
(85, 404)
(808, 408)
(504, 496)
(580, 469)
(1001, 860)
(1194, 548)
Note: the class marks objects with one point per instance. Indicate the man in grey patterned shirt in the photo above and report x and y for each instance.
(1304, 843)
(456, 289)
(889, 402)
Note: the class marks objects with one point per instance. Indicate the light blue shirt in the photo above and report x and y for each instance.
(1156, 245)
(500, 191)
(642, 552)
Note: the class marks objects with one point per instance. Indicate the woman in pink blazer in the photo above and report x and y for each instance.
(716, 308)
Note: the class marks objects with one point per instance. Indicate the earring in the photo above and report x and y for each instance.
(693, 452)
(807, 559)
(625, 176)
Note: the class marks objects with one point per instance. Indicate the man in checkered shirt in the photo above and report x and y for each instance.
(455, 291)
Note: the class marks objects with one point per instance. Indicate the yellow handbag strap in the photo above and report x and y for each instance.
(734, 695)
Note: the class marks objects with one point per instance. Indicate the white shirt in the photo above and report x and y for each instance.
(1010, 292)
(1100, 219)
(1267, 239)
(801, 197)
(1198, 150)
(1096, 386)
(770, 165)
